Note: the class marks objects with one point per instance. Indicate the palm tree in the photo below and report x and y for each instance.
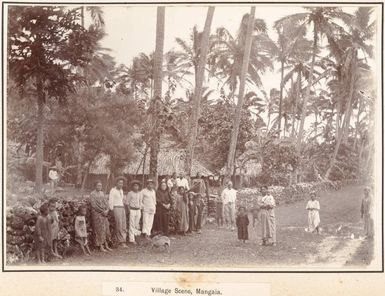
(248, 36)
(228, 52)
(199, 76)
(291, 39)
(360, 31)
(322, 21)
(158, 77)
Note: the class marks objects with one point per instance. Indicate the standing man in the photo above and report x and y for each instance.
(182, 182)
(134, 204)
(148, 207)
(116, 205)
(229, 196)
(200, 189)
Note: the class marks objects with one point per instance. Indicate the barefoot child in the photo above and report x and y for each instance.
(54, 220)
(313, 208)
(242, 222)
(81, 230)
(42, 234)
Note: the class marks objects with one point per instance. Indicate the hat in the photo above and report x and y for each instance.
(150, 181)
(133, 182)
(120, 178)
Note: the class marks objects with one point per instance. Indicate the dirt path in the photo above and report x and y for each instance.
(218, 248)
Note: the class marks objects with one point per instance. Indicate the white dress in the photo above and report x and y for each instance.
(313, 208)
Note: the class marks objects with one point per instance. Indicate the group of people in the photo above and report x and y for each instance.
(149, 212)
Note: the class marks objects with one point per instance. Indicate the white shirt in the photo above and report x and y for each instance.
(312, 204)
(229, 195)
(268, 200)
(148, 200)
(182, 182)
(134, 199)
(115, 199)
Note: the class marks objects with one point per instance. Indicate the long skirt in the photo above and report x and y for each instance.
(120, 224)
(101, 228)
(134, 228)
(162, 219)
(368, 225)
(183, 218)
(148, 220)
(313, 219)
(268, 225)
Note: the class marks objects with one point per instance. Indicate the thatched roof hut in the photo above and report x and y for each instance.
(169, 161)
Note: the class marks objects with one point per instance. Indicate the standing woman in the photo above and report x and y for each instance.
(268, 218)
(99, 214)
(116, 204)
(366, 213)
(163, 205)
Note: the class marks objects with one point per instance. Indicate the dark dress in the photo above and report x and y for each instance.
(100, 224)
(242, 225)
(162, 213)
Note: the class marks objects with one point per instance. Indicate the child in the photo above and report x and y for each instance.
(182, 211)
(313, 208)
(191, 210)
(219, 209)
(54, 220)
(256, 215)
(242, 223)
(42, 234)
(81, 230)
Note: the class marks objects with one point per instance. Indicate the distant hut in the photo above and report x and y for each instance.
(169, 161)
(247, 169)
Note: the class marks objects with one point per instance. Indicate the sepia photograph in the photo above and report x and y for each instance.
(189, 137)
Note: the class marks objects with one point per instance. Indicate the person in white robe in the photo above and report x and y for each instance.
(313, 208)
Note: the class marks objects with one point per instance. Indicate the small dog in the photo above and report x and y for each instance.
(159, 241)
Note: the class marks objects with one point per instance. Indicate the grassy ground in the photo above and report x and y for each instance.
(220, 248)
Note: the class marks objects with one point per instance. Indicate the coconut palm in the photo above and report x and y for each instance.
(228, 52)
(199, 77)
(322, 21)
(248, 37)
(158, 77)
(360, 31)
(291, 41)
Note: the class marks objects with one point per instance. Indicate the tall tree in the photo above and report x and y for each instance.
(44, 44)
(156, 100)
(242, 85)
(361, 30)
(322, 20)
(193, 120)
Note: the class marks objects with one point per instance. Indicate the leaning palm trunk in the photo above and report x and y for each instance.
(193, 122)
(280, 98)
(345, 123)
(238, 111)
(158, 62)
(307, 94)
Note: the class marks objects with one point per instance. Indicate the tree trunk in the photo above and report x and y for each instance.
(338, 118)
(307, 94)
(296, 98)
(82, 15)
(193, 121)
(242, 84)
(346, 120)
(357, 123)
(40, 136)
(84, 181)
(280, 99)
(158, 63)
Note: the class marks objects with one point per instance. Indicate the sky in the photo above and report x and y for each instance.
(131, 29)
